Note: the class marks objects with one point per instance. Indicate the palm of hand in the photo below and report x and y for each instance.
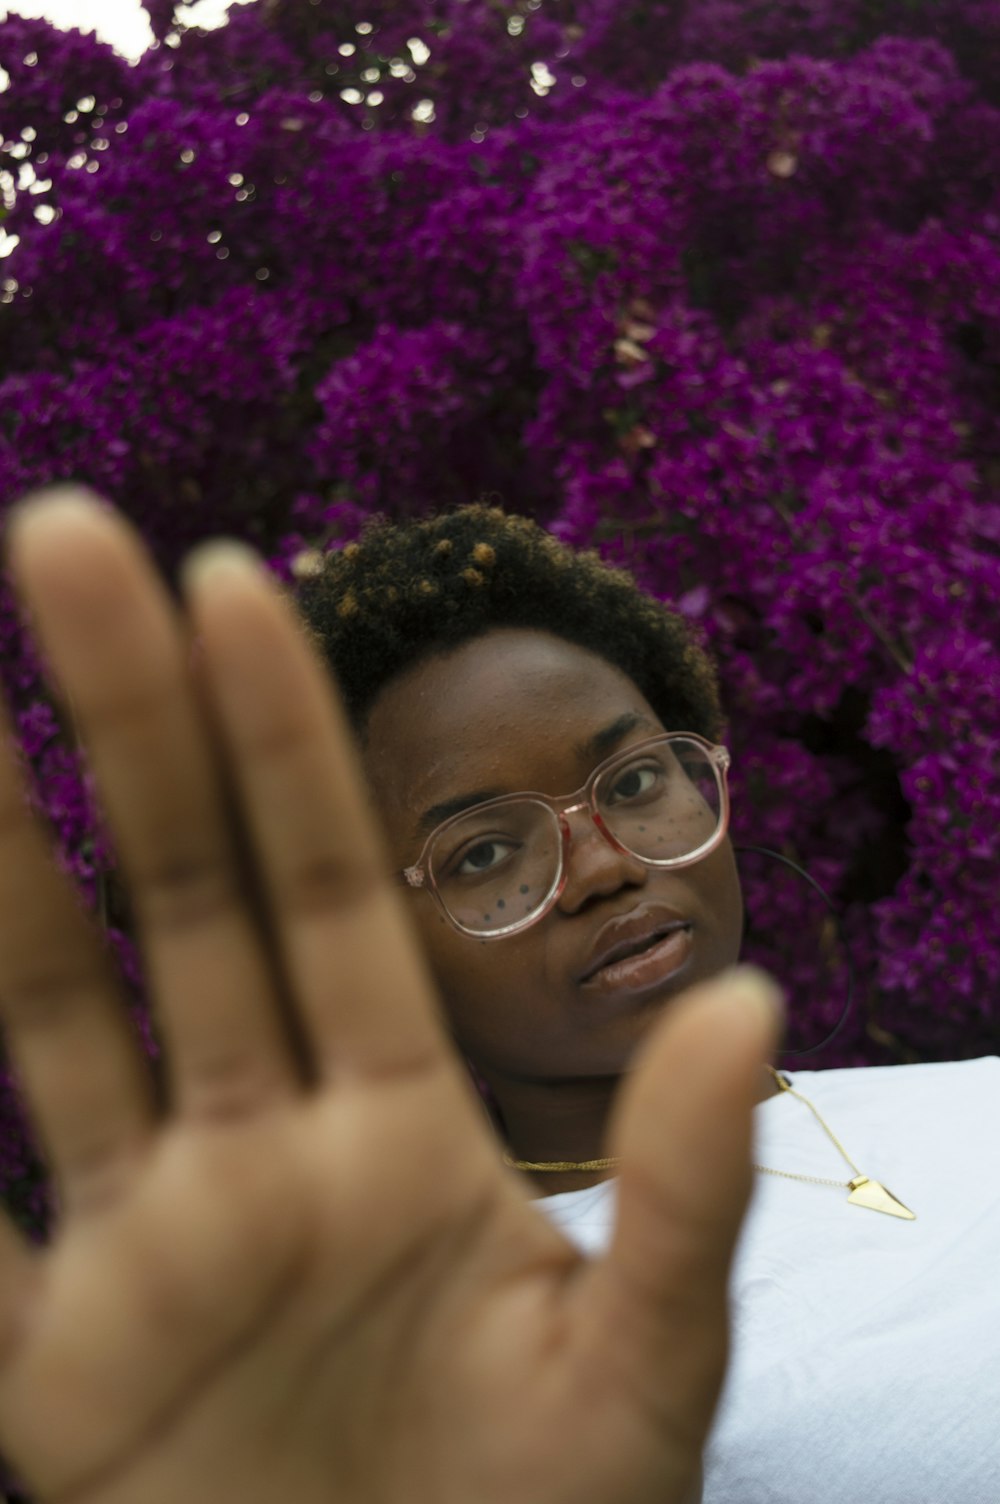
(254, 1316)
(257, 1312)
(323, 1290)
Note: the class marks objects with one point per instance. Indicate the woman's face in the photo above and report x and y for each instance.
(519, 710)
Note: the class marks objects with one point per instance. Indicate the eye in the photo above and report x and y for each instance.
(634, 782)
(484, 856)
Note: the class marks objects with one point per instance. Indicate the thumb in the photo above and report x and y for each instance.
(683, 1129)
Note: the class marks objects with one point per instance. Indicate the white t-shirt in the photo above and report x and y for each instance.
(865, 1362)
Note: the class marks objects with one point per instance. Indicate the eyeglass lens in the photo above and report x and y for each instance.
(495, 868)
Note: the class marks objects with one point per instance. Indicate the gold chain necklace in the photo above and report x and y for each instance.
(863, 1190)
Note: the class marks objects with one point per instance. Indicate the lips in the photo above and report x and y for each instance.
(630, 935)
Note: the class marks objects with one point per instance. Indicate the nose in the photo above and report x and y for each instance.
(595, 868)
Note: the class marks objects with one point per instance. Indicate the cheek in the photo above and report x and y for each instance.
(462, 968)
(725, 897)
(485, 986)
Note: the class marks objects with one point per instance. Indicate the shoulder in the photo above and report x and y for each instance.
(982, 1073)
(956, 1095)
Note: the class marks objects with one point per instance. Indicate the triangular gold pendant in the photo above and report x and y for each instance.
(870, 1193)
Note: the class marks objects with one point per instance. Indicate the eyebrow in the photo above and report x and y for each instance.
(594, 749)
(605, 740)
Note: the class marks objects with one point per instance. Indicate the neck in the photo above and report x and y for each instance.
(549, 1121)
(557, 1120)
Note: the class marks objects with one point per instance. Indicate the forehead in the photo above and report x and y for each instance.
(506, 710)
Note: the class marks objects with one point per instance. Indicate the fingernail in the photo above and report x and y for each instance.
(217, 560)
(53, 506)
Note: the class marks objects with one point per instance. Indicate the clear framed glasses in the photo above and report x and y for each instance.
(500, 866)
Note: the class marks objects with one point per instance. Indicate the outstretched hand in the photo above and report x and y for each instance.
(311, 1279)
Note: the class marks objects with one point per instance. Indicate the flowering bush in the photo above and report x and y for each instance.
(711, 287)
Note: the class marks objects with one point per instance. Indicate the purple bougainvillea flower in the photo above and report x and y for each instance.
(712, 288)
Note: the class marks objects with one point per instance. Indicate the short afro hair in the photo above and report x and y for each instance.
(409, 590)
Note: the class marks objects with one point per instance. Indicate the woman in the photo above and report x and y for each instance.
(479, 658)
(315, 1279)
